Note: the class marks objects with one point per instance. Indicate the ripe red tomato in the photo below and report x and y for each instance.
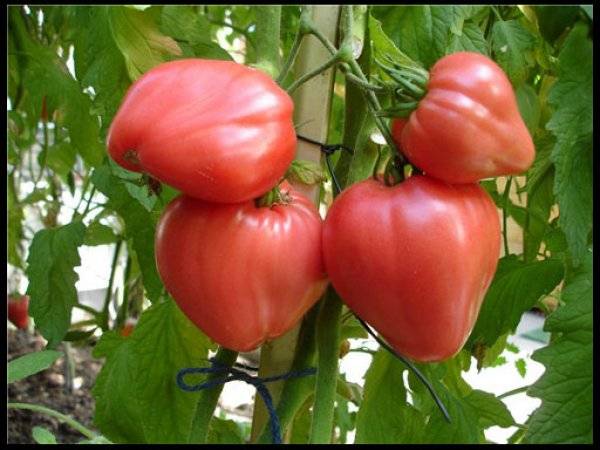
(18, 310)
(467, 126)
(216, 130)
(243, 274)
(128, 327)
(414, 260)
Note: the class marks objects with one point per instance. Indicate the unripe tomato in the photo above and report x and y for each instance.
(18, 310)
(467, 126)
(414, 260)
(216, 130)
(243, 274)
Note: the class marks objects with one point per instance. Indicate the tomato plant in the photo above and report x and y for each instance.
(216, 130)
(467, 126)
(377, 217)
(242, 273)
(414, 260)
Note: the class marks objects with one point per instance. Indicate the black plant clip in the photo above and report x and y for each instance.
(328, 150)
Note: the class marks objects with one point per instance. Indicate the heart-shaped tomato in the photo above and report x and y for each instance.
(215, 130)
(242, 273)
(414, 260)
(467, 126)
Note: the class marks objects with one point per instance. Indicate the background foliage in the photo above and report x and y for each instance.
(68, 69)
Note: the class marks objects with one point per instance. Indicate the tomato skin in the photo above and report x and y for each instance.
(414, 260)
(243, 274)
(18, 310)
(397, 126)
(467, 126)
(215, 130)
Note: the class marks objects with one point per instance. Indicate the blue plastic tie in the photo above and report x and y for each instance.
(235, 374)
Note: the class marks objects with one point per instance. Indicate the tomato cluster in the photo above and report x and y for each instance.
(414, 259)
(222, 133)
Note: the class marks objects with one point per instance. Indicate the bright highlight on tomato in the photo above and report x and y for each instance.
(243, 274)
(467, 126)
(414, 260)
(216, 130)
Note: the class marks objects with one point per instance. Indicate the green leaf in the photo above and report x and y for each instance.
(98, 234)
(137, 398)
(385, 417)
(572, 125)
(143, 46)
(351, 328)
(566, 386)
(43, 436)
(554, 19)
(383, 45)
(98, 61)
(491, 356)
(15, 220)
(61, 159)
(78, 335)
(529, 106)
(29, 364)
(140, 225)
(52, 257)
(192, 31)
(470, 39)
(513, 47)
(521, 366)
(46, 75)
(426, 32)
(351, 392)
(540, 200)
(515, 289)
(490, 410)
(471, 411)
(223, 432)
(305, 172)
(301, 424)
(344, 419)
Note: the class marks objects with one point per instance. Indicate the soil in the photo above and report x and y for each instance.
(48, 388)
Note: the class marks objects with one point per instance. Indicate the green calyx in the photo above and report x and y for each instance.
(274, 197)
(408, 84)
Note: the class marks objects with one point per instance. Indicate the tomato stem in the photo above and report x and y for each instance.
(296, 391)
(274, 197)
(52, 413)
(504, 215)
(305, 27)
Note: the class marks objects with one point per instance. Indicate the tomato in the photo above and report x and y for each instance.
(467, 126)
(215, 130)
(414, 260)
(18, 310)
(396, 129)
(128, 327)
(243, 274)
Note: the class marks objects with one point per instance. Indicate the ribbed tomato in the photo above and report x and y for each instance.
(243, 274)
(216, 130)
(414, 260)
(467, 126)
